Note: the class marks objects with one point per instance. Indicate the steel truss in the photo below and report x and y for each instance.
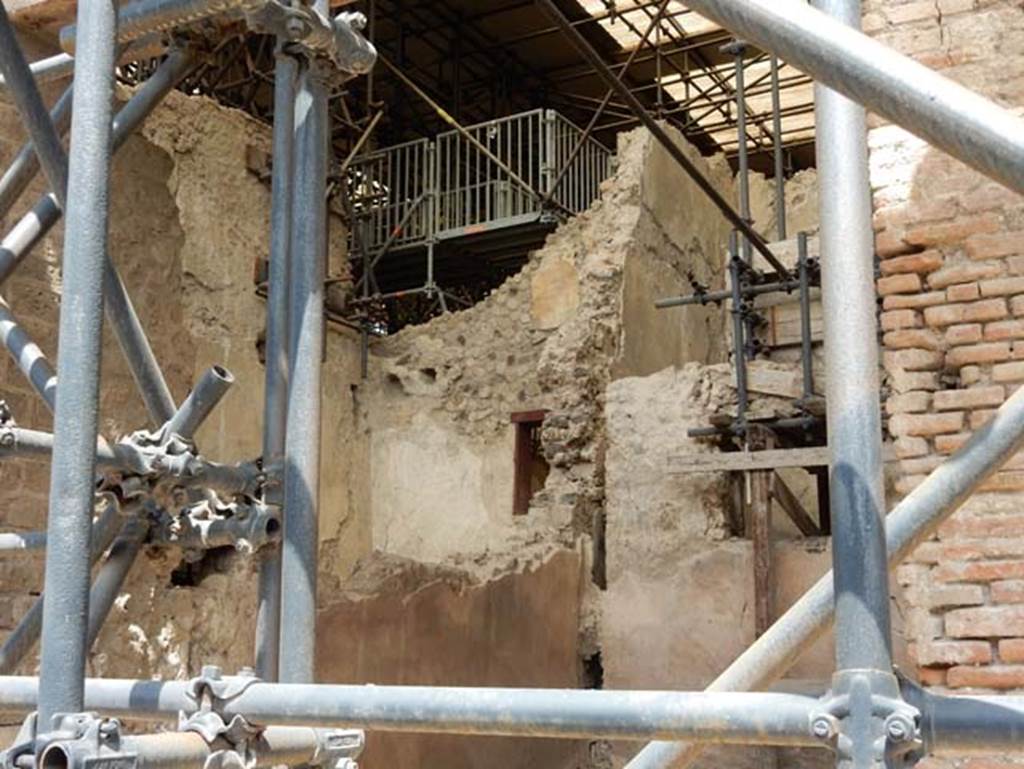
(869, 717)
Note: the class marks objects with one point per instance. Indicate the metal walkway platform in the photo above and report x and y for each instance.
(513, 178)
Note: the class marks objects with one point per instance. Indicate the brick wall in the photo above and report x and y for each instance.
(951, 248)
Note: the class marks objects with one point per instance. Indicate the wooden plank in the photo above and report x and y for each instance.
(788, 252)
(782, 326)
(762, 377)
(788, 501)
(733, 461)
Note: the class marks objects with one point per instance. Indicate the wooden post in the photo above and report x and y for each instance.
(761, 535)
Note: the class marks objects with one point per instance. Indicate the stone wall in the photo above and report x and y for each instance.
(952, 288)
(187, 222)
(440, 396)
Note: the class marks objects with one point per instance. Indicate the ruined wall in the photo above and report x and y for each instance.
(187, 222)
(679, 605)
(952, 266)
(440, 396)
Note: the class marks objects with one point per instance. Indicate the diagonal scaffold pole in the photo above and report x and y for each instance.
(581, 44)
(23, 168)
(47, 211)
(962, 123)
(69, 523)
(911, 522)
(34, 115)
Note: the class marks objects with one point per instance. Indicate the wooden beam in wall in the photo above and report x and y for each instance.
(718, 462)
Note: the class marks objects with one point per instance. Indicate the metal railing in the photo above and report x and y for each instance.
(427, 190)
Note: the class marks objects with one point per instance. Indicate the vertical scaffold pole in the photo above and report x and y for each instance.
(268, 615)
(851, 353)
(306, 340)
(65, 606)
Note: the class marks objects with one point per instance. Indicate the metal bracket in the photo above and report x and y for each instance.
(338, 41)
(210, 523)
(75, 741)
(338, 748)
(211, 690)
(866, 722)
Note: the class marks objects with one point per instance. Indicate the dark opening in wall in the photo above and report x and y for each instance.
(593, 671)
(531, 468)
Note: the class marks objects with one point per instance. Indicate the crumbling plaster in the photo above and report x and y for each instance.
(188, 221)
(579, 314)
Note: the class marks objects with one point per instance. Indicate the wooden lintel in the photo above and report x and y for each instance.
(735, 461)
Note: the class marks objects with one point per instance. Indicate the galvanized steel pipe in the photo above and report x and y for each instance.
(211, 387)
(27, 356)
(112, 574)
(55, 67)
(23, 168)
(32, 227)
(25, 634)
(306, 348)
(274, 746)
(275, 404)
(34, 115)
(856, 485)
(26, 542)
(66, 600)
(732, 718)
(911, 522)
(958, 121)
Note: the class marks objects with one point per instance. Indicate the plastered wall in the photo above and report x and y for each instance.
(438, 405)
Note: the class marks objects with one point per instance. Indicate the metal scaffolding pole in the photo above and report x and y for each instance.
(30, 104)
(25, 634)
(727, 718)
(112, 574)
(857, 489)
(36, 223)
(23, 168)
(969, 127)
(65, 606)
(306, 344)
(275, 405)
(595, 61)
(911, 522)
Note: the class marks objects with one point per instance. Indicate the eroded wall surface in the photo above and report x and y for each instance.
(187, 222)
(580, 313)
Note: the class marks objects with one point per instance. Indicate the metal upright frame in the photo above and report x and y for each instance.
(869, 717)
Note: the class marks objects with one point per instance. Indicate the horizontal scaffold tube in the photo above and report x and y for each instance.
(731, 718)
(275, 746)
(958, 121)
